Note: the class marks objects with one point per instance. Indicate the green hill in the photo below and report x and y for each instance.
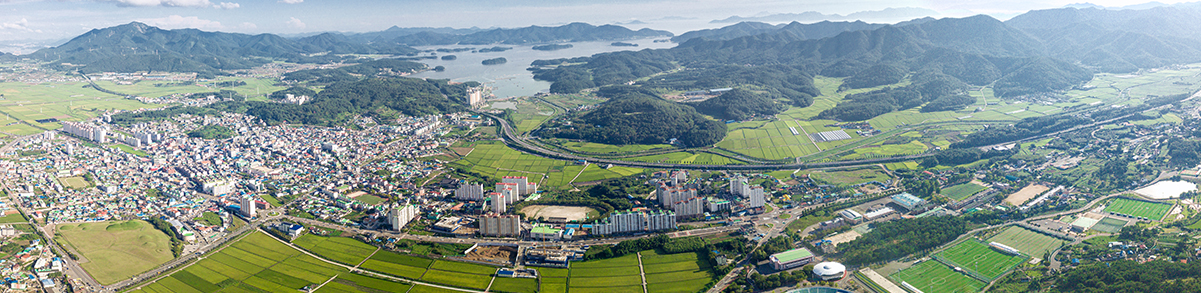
(638, 116)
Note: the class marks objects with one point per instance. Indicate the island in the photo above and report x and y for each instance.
(493, 49)
(623, 44)
(552, 47)
(449, 57)
(495, 61)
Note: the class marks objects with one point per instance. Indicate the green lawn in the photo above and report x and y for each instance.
(1138, 208)
(117, 250)
(981, 258)
(933, 276)
(962, 191)
(1029, 242)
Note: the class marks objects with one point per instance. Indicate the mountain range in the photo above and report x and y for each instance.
(885, 15)
(140, 47)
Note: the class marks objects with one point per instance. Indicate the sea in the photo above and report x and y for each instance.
(512, 79)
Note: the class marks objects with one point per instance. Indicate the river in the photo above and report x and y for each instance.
(511, 79)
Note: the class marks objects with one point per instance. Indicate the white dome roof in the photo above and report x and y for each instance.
(829, 268)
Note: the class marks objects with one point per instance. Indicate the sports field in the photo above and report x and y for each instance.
(980, 258)
(115, 251)
(1026, 241)
(962, 191)
(259, 263)
(494, 159)
(1138, 208)
(933, 276)
(1109, 225)
(74, 182)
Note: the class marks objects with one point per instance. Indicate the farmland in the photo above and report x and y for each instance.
(933, 276)
(258, 263)
(683, 272)
(65, 101)
(1137, 208)
(962, 191)
(980, 258)
(115, 251)
(495, 160)
(1028, 242)
(849, 176)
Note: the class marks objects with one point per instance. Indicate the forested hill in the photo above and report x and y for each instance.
(638, 116)
(574, 32)
(797, 30)
(1117, 40)
(140, 47)
(977, 50)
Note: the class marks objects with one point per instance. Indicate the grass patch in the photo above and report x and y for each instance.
(117, 250)
(962, 191)
(1138, 208)
(210, 219)
(515, 285)
(933, 276)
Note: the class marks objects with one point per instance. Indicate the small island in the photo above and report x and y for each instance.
(623, 44)
(493, 49)
(450, 57)
(552, 47)
(495, 61)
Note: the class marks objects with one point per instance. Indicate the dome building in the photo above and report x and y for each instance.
(829, 271)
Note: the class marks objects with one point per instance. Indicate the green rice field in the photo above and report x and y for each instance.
(259, 263)
(849, 176)
(933, 276)
(981, 258)
(1137, 208)
(1028, 242)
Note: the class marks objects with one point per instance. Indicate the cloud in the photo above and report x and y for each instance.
(22, 24)
(176, 22)
(291, 1)
(248, 25)
(174, 3)
(295, 23)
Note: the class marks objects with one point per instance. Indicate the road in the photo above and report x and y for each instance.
(521, 144)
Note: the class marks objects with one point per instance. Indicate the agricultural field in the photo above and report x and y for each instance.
(259, 263)
(1137, 208)
(598, 148)
(67, 101)
(114, 251)
(772, 140)
(1109, 225)
(254, 87)
(962, 191)
(592, 276)
(13, 218)
(686, 158)
(1028, 242)
(526, 115)
(340, 249)
(682, 272)
(515, 285)
(981, 258)
(405, 266)
(933, 276)
(849, 176)
(495, 160)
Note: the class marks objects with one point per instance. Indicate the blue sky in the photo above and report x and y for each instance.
(59, 19)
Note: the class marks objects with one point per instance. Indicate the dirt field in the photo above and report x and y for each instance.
(1027, 193)
(844, 237)
(494, 254)
(355, 194)
(569, 212)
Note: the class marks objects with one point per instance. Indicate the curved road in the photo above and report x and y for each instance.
(520, 144)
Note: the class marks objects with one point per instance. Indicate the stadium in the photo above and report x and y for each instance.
(827, 271)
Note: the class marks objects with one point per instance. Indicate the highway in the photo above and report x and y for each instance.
(521, 144)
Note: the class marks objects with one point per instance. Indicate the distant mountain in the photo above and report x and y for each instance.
(1117, 40)
(797, 30)
(396, 32)
(1148, 5)
(140, 47)
(574, 32)
(886, 15)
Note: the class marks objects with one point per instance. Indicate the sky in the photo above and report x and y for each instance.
(24, 20)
